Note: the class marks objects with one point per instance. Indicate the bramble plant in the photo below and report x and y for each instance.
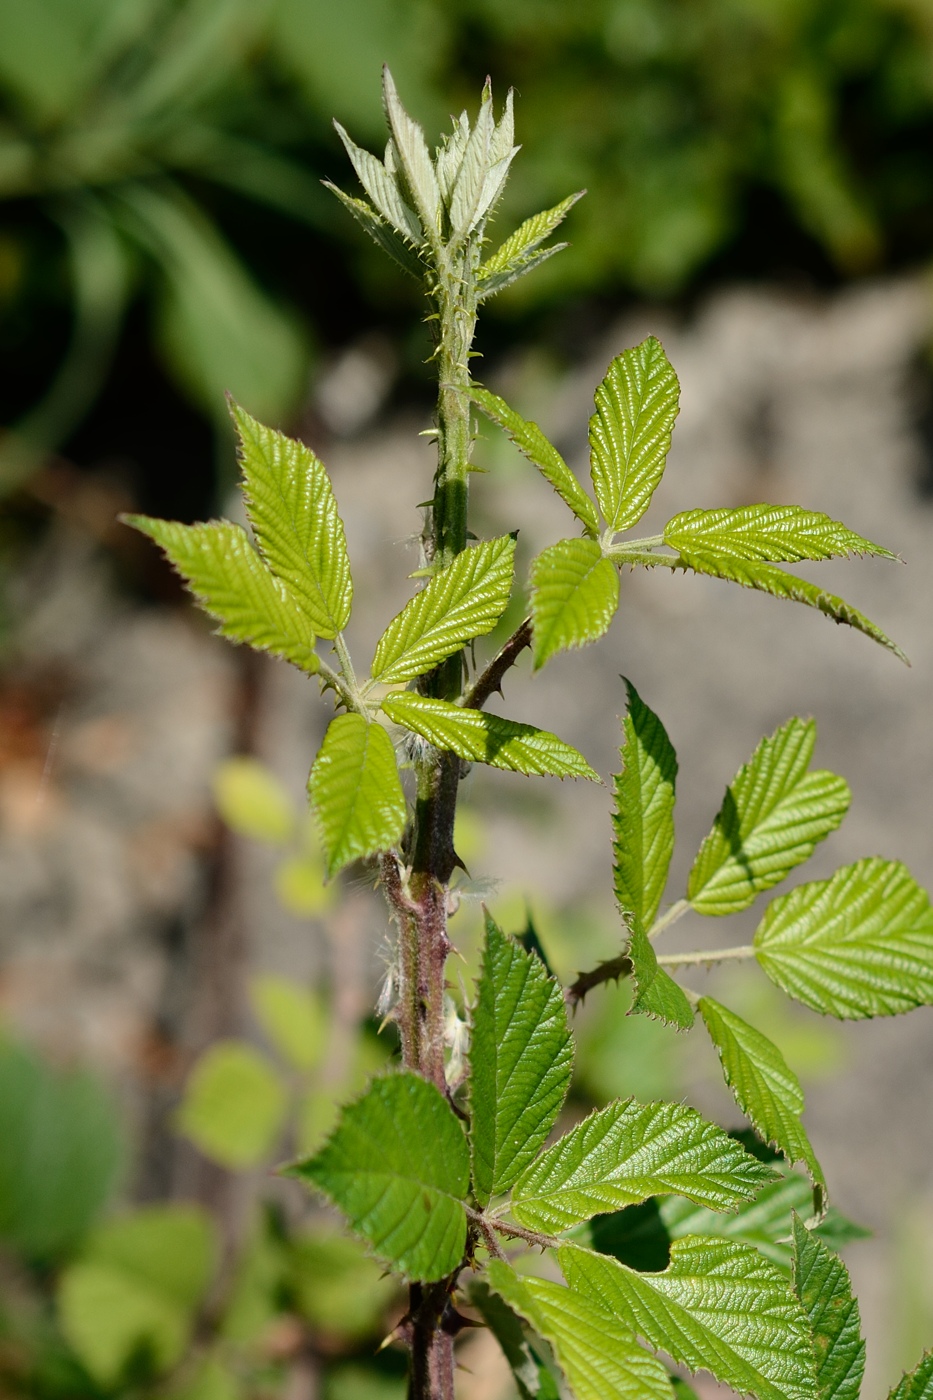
(448, 1176)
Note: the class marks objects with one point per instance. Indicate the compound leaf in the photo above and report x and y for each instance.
(521, 1062)
(460, 602)
(858, 944)
(291, 507)
(773, 814)
(719, 1307)
(232, 584)
(355, 791)
(483, 738)
(780, 534)
(574, 596)
(530, 441)
(822, 1284)
(656, 993)
(643, 821)
(597, 1353)
(763, 1084)
(397, 1165)
(918, 1383)
(627, 1152)
(630, 432)
(769, 579)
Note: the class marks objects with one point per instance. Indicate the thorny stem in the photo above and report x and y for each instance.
(329, 677)
(491, 680)
(713, 955)
(611, 971)
(419, 902)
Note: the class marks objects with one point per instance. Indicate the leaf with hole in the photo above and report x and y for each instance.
(521, 1062)
(821, 1282)
(764, 1086)
(595, 1350)
(627, 1152)
(459, 602)
(773, 815)
(532, 443)
(858, 944)
(718, 1307)
(398, 1167)
(574, 596)
(231, 583)
(483, 738)
(630, 432)
(292, 509)
(355, 792)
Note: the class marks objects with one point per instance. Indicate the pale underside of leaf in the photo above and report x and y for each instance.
(822, 1284)
(474, 166)
(574, 596)
(765, 1087)
(482, 738)
(767, 578)
(532, 443)
(382, 189)
(460, 602)
(858, 944)
(776, 534)
(773, 815)
(292, 509)
(628, 1151)
(630, 432)
(718, 1307)
(597, 1353)
(397, 1166)
(449, 155)
(656, 993)
(232, 584)
(414, 158)
(643, 820)
(918, 1383)
(521, 1061)
(380, 232)
(355, 792)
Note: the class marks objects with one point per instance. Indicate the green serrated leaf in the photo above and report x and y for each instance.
(628, 1151)
(483, 738)
(232, 584)
(355, 792)
(498, 281)
(532, 1377)
(292, 509)
(764, 1086)
(382, 189)
(643, 821)
(596, 1352)
(822, 1284)
(718, 1307)
(858, 944)
(521, 1061)
(574, 596)
(773, 815)
(520, 245)
(656, 993)
(769, 579)
(630, 432)
(397, 1165)
(460, 602)
(779, 534)
(530, 441)
(380, 232)
(414, 158)
(918, 1383)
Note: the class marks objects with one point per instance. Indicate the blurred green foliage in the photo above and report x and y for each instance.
(170, 153)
